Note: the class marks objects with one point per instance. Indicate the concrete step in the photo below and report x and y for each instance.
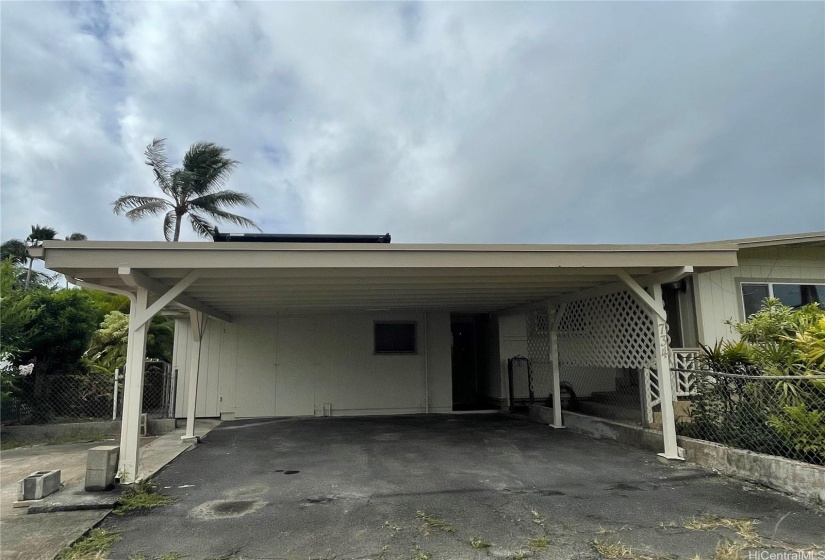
(619, 398)
(609, 412)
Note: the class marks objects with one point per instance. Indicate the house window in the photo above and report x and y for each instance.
(395, 337)
(792, 295)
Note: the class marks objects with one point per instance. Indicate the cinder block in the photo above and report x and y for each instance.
(101, 467)
(38, 484)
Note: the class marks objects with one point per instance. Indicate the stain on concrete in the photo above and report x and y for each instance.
(319, 500)
(225, 509)
(291, 472)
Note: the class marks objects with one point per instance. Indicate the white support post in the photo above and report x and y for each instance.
(197, 324)
(654, 307)
(133, 389)
(114, 391)
(665, 386)
(554, 362)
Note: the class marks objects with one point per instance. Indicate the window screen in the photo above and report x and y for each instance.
(395, 338)
(792, 295)
(752, 296)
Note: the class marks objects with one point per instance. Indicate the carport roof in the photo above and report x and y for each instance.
(242, 279)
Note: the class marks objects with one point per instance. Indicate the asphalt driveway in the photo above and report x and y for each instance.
(463, 486)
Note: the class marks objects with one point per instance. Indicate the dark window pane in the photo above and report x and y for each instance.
(820, 294)
(752, 296)
(789, 294)
(395, 338)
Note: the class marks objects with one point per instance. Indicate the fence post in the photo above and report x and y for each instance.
(114, 394)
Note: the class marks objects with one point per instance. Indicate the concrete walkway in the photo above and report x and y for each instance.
(25, 536)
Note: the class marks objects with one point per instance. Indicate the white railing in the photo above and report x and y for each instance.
(682, 361)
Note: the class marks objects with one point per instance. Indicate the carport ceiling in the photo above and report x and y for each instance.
(245, 279)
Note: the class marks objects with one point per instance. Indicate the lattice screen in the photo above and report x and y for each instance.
(607, 331)
(538, 351)
(599, 340)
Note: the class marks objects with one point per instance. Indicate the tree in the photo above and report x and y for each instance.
(107, 350)
(18, 315)
(38, 235)
(14, 250)
(77, 237)
(192, 190)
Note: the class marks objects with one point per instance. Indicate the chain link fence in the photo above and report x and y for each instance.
(91, 397)
(775, 415)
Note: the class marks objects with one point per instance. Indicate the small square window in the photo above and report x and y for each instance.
(395, 338)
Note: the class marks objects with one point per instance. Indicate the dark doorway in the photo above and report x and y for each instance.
(470, 361)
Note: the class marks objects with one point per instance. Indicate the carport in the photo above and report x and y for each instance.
(596, 306)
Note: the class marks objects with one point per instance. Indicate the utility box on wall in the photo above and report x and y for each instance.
(101, 467)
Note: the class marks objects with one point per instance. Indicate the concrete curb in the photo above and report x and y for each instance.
(802, 480)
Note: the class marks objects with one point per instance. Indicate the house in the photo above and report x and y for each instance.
(341, 326)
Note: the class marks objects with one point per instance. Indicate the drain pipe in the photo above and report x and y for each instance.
(426, 368)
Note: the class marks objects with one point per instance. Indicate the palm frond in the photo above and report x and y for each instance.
(15, 250)
(230, 199)
(223, 216)
(139, 207)
(201, 226)
(156, 159)
(169, 221)
(207, 166)
(41, 233)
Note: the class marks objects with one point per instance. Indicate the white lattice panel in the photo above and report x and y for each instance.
(538, 351)
(607, 331)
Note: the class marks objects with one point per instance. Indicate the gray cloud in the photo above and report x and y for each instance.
(533, 122)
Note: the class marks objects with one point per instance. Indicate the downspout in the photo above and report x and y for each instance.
(426, 367)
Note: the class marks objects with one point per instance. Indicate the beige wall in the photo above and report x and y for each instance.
(512, 342)
(294, 366)
(718, 296)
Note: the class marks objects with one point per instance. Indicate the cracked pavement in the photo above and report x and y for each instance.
(346, 488)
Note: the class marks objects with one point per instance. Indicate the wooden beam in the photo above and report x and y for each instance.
(136, 278)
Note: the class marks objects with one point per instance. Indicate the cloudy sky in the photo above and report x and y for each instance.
(437, 122)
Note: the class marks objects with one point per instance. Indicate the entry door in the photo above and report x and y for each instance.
(297, 367)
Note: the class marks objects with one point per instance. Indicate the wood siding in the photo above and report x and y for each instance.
(718, 296)
(263, 366)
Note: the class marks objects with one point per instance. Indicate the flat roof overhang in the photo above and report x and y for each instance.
(249, 279)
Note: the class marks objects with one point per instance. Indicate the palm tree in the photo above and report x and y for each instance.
(14, 250)
(192, 190)
(38, 235)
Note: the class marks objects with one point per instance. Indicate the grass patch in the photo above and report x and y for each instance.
(431, 522)
(613, 549)
(422, 555)
(537, 544)
(6, 444)
(479, 544)
(742, 527)
(728, 550)
(139, 496)
(94, 546)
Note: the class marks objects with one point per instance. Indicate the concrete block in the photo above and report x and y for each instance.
(101, 467)
(38, 484)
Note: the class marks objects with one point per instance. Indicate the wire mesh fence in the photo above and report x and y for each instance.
(90, 397)
(775, 415)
